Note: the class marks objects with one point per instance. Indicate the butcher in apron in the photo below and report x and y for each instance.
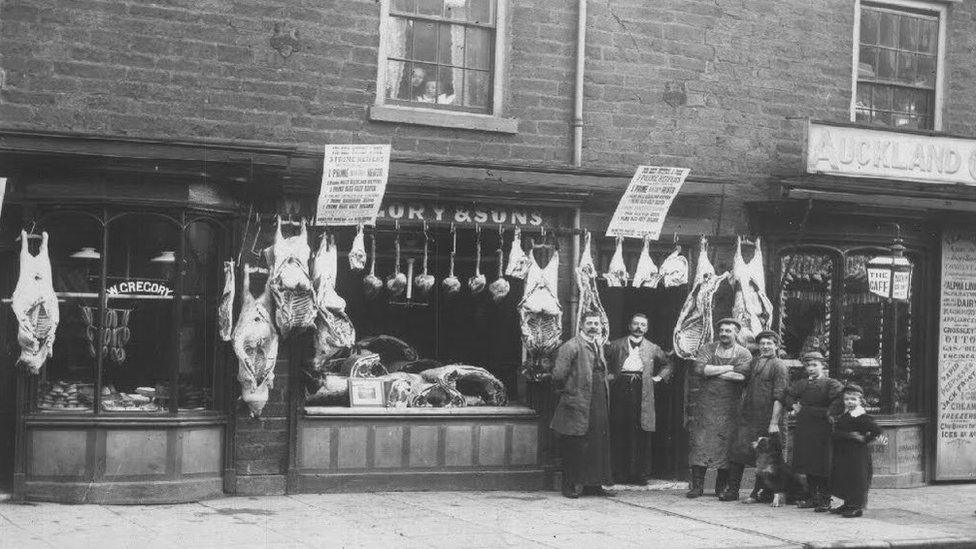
(632, 361)
(724, 366)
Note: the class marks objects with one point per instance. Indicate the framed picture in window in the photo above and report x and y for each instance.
(365, 391)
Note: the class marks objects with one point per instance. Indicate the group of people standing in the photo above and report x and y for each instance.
(606, 416)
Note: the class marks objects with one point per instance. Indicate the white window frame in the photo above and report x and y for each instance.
(937, 8)
(380, 111)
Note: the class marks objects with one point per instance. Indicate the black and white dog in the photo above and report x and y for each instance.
(776, 477)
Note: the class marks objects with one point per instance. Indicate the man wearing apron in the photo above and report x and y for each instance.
(632, 361)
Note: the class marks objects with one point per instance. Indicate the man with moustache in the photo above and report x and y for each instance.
(581, 417)
(632, 361)
(723, 366)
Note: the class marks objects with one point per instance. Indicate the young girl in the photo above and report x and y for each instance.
(852, 470)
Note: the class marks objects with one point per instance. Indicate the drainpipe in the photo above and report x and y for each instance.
(575, 297)
(578, 99)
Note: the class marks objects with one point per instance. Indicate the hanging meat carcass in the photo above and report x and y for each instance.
(35, 305)
(518, 262)
(424, 282)
(290, 282)
(674, 269)
(396, 283)
(256, 345)
(225, 310)
(500, 287)
(451, 284)
(616, 275)
(334, 330)
(357, 254)
(589, 295)
(750, 306)
(478, 281)
(372, 283)
(541, 316)
(646, 275)
(694, 326)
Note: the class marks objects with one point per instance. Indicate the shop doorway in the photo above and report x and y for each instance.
(662, 307)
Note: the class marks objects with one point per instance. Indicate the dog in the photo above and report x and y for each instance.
(775, 476)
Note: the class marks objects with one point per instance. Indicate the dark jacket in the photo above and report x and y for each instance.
(572, 376)
(652, 358)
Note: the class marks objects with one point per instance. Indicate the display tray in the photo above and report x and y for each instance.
(334, 411)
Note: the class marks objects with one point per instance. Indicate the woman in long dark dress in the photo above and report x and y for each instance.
(816, 400)
(850, 476)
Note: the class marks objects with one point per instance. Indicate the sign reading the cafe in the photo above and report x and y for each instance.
(353, 182)
(956, 419)
(645, 203)
(861, 152)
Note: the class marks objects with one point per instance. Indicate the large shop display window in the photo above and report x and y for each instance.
(825, 306)
(137, 330)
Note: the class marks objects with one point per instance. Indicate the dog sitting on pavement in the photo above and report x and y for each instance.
(777, 480)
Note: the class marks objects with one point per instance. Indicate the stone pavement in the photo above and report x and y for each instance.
(931, 516)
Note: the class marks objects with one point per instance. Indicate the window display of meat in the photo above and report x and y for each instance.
(35, 306)
(256, 346)
(394, 353)
(290, 283)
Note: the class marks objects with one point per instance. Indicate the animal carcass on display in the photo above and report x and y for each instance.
(357, 254)
(394, 353)
(225, 310)
(424, 282)
(646, 275)
(396, 283)
(470, 381)
(256, 346)
(541, 316)
(518, 262)
(589, 296)
(500, 287)
(372, 283)
(750, 306)
(674, 269)
(616, 275)
(290, 282)
(451, 284)
(694, 326)
(35, 305)
(334, 330)
(477, 281)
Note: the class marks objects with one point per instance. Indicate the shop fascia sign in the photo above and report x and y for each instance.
(863, 152)
(462, 215)
(139, 287)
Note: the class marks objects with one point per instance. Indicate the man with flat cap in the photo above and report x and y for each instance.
(761, 411)
(723, 366)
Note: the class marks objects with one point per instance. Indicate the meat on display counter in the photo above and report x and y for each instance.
(362, 449)
(81, 458)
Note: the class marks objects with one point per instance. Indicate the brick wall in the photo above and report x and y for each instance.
(261, 444)
(193, 70)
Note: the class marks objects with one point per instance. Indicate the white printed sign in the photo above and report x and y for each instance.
(353, 182)
(646, 202)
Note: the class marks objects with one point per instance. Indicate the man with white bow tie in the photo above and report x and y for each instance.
(632, 361)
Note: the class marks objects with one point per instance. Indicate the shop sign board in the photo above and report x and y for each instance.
(645, 203)
(145, 287)
(353, 183)
(864, 152)
(461, 215)
(956, 419)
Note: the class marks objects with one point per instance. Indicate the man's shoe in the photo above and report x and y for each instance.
(604, 493)
(840, 510)
(853, 512)
(731, 494)
(572, 491)
(806, 504)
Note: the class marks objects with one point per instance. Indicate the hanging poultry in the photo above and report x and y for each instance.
(290, 283)
(478, 281)
(35, 305)
(646, 275)
(357, 254)
(256, 345)
(396, 283)
(372, 283)
(500, 287)
(616, 275)
(334, 330)
(225, 310)
(694, 326)
(451, 284)
(589, 295)
(425, 281)
(518, 262)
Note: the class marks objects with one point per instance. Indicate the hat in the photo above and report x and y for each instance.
(813, 355)
(853, 388)
(768, 334)
(729, 320)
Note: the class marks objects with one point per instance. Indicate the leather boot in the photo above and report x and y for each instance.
(734, 483)
(697, 483)
(721, 482)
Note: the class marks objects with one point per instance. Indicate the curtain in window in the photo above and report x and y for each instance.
(396, 46)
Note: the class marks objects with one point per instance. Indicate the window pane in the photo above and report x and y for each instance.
(908, 33)
(922, 103)
(862, 333)
(867, 62)
(882, 118)
(446, 94)
(398, 38)
(881, 98)
(398, 76)
(480, 11)
(886, 64)
(424, 41)
(455, 9)
(450, 51)
(408, 6)
(904, 105)
(430, 7)
(906, 67)
(805, 319)
(863, 97)
(926, 71)
(476, 88)
(478, 49)
(870, 22)
(198, 339)
(928, 36)
(889, 29)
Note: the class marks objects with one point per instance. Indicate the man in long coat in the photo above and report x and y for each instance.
(723, 366)
(763, 399)
(582, 414)
(633, 361)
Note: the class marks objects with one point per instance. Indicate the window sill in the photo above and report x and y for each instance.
(443, 119)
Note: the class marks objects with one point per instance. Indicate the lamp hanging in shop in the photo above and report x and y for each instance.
(890, 276)
(166, 256)
(86, 253)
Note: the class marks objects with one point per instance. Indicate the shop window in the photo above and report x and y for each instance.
(898, 61)
(442, 56)
(825, 306)
(150, 345)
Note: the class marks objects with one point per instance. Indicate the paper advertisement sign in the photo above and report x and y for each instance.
(646, 202)
(353, 182)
